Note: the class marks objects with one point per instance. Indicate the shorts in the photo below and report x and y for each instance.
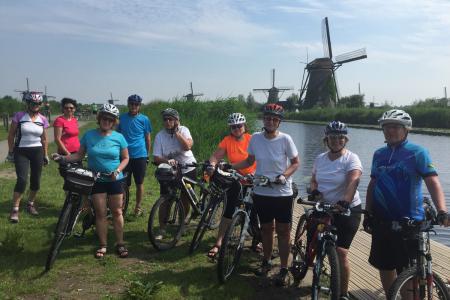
(163, 189)
(110, 188)
(233, 199)
(269, 208)
(346, 226)
(137, 167)
(390, 251)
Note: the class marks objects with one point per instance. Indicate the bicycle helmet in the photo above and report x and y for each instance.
(170, 112)
(396, 116)
(336, 127)
(135, 98)
(110, 109)
(165, 173)
(32, 97)
(235, 119)
(273, 109)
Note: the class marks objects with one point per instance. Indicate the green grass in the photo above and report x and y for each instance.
(146, 273)
(3, 133)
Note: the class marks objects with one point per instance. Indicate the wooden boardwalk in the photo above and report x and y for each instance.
(364, 280)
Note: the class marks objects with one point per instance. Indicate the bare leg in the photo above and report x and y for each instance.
(387, 278)
(115, 206)
(139, 195)
(224, 223)
(16, 199)
(267, 230)
(283, 233)
(32, 196)
(345, 269)
(101, 222)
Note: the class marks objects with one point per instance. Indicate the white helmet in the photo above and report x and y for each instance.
(396, 116)
(236, 118)
(111, 109)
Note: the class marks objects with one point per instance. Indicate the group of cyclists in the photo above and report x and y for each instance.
(122, 142)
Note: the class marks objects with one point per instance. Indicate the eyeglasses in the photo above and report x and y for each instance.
(169, 119)
(108, 119)
(337, 136)
(69, 107)
(273, 119)
(134, 103)
(35, 103)
(237, 126)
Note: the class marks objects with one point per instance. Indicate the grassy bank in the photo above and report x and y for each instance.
(146, 273)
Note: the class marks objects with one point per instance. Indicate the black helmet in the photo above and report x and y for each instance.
(165, 173)
(170, 112)
(135, 98)
(336, 127)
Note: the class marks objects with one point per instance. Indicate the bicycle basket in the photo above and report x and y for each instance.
(165, 173)
(79, 180)
(222, 179)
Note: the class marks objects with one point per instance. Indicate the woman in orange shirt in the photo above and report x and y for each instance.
(234, 146)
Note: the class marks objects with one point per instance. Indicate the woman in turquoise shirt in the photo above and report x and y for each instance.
(107, 153)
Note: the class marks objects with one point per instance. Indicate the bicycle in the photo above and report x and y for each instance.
(218, 187)
(314, 246)
(243, 224)
(79, 182)
(167, 218)
(419, 281)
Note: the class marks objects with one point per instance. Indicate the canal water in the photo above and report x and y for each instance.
(308, 139)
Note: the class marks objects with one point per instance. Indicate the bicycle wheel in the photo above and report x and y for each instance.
(326, 275)
(299, 266)
(61, 230)
(407, 283)
(166, 223)
(218, 211)
(205, 223)
(231, 249)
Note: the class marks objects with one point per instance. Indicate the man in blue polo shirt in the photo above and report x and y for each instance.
(395, 192)
(136, 128)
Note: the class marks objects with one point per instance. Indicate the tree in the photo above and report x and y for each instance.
(251, 103)
(291, 102)
(352, 101)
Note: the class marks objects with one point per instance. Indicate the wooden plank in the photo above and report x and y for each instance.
(364, 280)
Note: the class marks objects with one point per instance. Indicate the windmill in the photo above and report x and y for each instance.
(27, 90)
(45, 98)
(320, 84)
(111, 100)
(273, 93)
(191, 96)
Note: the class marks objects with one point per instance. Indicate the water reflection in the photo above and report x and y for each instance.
(363, 142)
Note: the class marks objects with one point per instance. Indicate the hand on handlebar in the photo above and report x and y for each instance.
(172, 162)
(443, 218)
(315, 195)
(368, 223)
(58, 158)
(343, 205)
(280, 179)
(210, 170)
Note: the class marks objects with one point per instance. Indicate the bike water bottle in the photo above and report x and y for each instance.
(190, 190)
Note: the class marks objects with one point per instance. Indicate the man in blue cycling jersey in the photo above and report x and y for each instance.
(395, 192)
(136, 128)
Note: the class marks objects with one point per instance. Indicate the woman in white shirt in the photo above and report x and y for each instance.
(336, 176)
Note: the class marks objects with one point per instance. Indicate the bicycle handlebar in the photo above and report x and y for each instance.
(332, 208)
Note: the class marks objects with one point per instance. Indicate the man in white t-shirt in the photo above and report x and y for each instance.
(336, 176)
(277, 158)
(172, 146)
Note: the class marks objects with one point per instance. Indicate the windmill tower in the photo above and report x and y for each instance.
(191, 96)
(320, 85)
(27, 90)
(273, 93)
(111, 100)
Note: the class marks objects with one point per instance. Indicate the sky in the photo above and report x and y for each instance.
(87, 49)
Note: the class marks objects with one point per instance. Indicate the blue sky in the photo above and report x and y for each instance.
(88, 48)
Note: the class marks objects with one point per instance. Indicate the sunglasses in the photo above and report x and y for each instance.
(108, 119)
(35, 103)
(336, 136)
(273, 119)
(69, 107)
(134, 103)
(236, 126)
(169, 119)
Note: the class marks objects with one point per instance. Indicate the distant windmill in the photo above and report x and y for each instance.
(273, 93)
(45, 98)
(111, 100)
(320, 83)
(191, 96)
(27, 90)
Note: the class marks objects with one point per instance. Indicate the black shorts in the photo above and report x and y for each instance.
(110, 188)
(233, 199)
(347, 226)
(137, 167)
(269, 208)
(163, 189)
(389, 250)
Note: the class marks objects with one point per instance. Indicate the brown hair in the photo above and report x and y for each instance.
(101, 114)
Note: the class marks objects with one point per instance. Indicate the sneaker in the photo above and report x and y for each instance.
(344, 297)
(160, 235)
(14, 216)
(282, 278)
(265, 267)
(31, 209)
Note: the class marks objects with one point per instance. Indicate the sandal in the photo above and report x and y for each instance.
(138, 212)
(101, 252)
(121, 250)
(213, 252)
